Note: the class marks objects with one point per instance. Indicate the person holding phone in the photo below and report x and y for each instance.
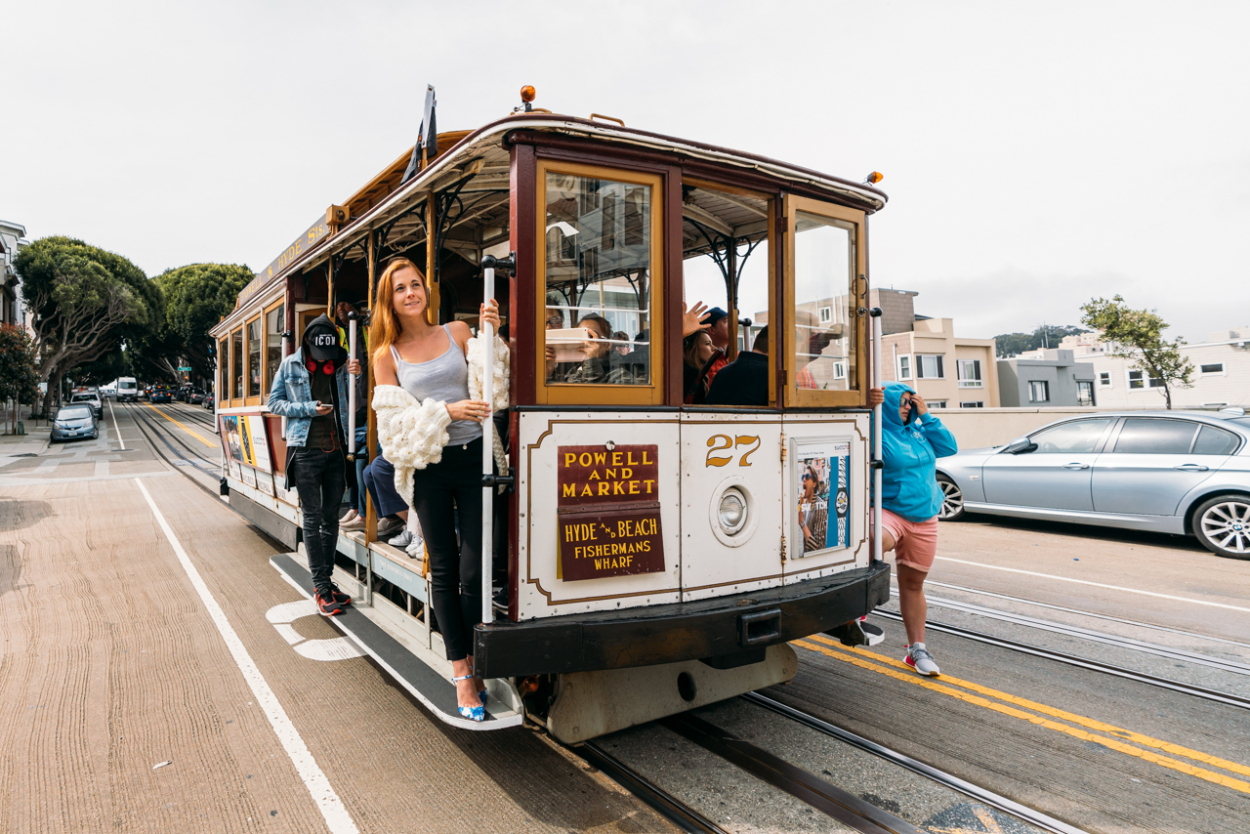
(912, 440)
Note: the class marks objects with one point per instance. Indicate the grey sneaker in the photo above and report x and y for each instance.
(402, 540)
(416, 548)
(919, 658)
(388, 527)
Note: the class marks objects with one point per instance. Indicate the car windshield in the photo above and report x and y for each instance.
(83, 398)
(71, 413)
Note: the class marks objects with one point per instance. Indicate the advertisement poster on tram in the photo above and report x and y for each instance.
(247, 445)
(824, 496)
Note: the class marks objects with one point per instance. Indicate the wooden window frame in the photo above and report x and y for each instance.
(593, 395)
(223, 372)
(259, 396)
(239, 400)
(265, 380)
(796, 397)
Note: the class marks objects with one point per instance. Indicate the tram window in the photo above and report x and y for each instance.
(823, 275)
(253, 358)
(599, 270)
(236, 365)
(275, 321)
(223, 371)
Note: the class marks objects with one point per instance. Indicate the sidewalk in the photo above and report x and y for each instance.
(34, 442)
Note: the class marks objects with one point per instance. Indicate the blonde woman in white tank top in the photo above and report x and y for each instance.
(429, 361)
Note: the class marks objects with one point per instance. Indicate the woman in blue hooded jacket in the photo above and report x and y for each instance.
(912, 440)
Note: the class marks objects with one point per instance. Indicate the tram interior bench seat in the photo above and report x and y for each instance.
(723, 632)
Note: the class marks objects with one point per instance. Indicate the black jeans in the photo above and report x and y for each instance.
(441, 490)
(320, 479)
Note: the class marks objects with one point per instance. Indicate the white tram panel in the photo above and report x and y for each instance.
(826, 533)
(738, 454)
(545, 439)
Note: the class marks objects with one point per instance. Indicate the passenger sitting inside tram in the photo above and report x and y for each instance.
(430, 426)
(600, 365)
(744, 381)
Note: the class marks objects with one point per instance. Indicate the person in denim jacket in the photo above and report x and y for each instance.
(310, 390)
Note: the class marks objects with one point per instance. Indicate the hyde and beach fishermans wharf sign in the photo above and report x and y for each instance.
(608, 511)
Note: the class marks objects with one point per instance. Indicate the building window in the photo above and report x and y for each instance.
(938, 404)
(1213, 368)
(973, 404)
(1104, 379)
(1084, 393)
(839, 370)
(904, 367)
(826, 314)
(1136, 379)
(969, 373)
(930, 366)
(1039, 391)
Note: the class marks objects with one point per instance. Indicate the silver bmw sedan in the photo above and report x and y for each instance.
(1178, 472)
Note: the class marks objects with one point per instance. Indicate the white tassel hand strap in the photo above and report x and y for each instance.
(412, 433)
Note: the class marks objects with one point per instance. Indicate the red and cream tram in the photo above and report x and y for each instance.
(659, 552)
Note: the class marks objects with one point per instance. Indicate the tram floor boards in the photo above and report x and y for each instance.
(435, 691)
(1044, 761)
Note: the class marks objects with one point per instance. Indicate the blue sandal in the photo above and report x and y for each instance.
(472, 713)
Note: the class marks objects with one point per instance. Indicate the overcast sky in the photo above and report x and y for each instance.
(1035, 154)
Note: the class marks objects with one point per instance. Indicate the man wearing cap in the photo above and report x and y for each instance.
(718, 322)
(310, 390)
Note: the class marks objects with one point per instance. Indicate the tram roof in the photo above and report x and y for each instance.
(483, 150)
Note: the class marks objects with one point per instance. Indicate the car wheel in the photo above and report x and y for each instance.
(952, 500)
(1222, 524)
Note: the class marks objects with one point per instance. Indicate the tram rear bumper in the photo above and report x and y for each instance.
(703, 630)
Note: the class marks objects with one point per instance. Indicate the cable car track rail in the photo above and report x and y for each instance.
(1084, 663)
(982, 795)
(151, 431)
(1129, 643)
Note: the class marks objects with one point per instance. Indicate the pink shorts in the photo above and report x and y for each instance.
(915, 542)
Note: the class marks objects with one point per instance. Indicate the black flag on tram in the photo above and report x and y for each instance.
(427, 136)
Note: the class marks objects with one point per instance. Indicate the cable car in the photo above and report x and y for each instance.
(659, 539)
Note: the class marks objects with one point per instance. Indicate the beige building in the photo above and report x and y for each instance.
(1221, 376)
(949, 371)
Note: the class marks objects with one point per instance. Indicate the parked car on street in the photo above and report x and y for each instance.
(209, 401)
(90, 398)
(195, 396)
(1186, 473)
(75, 422)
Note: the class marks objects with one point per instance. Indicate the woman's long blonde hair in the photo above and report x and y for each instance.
(385, 328)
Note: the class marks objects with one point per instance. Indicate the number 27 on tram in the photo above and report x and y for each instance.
(659, 540)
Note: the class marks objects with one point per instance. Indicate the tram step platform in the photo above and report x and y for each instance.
(427, 679)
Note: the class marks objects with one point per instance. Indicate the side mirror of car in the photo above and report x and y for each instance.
(1020, 445)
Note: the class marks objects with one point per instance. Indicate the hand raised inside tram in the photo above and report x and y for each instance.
(693, 319)
(474, 410)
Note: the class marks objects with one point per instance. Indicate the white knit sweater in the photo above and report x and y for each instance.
(414, 433)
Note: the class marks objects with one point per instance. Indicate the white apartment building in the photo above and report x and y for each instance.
(1221, 376)
(12, 241)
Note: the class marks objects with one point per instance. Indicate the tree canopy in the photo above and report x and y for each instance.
(18, 376)
(84, 302)
(1008, 345)
(197, 296)
(1138, 335)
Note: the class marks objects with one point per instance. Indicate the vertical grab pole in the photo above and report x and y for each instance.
(877, 463)
(351, 391)
(488, 446)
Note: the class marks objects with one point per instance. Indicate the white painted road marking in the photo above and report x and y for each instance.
(116, 431)
(1098, 585)
(328, 802)
(333, 648)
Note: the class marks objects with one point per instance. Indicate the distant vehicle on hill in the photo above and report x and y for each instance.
(127, 390)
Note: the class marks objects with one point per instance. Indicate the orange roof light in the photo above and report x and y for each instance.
(527, 93)
(875, 177)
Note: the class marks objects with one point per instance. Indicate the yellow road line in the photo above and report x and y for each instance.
(1093, 724)
(910, 677)
(184, 426)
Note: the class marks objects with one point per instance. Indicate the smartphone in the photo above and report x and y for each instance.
(568, 343)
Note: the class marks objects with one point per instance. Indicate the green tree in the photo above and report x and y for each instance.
(1138, 335)
(197, 296)
(1047, 335)
(83, 301)
(18, 375)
